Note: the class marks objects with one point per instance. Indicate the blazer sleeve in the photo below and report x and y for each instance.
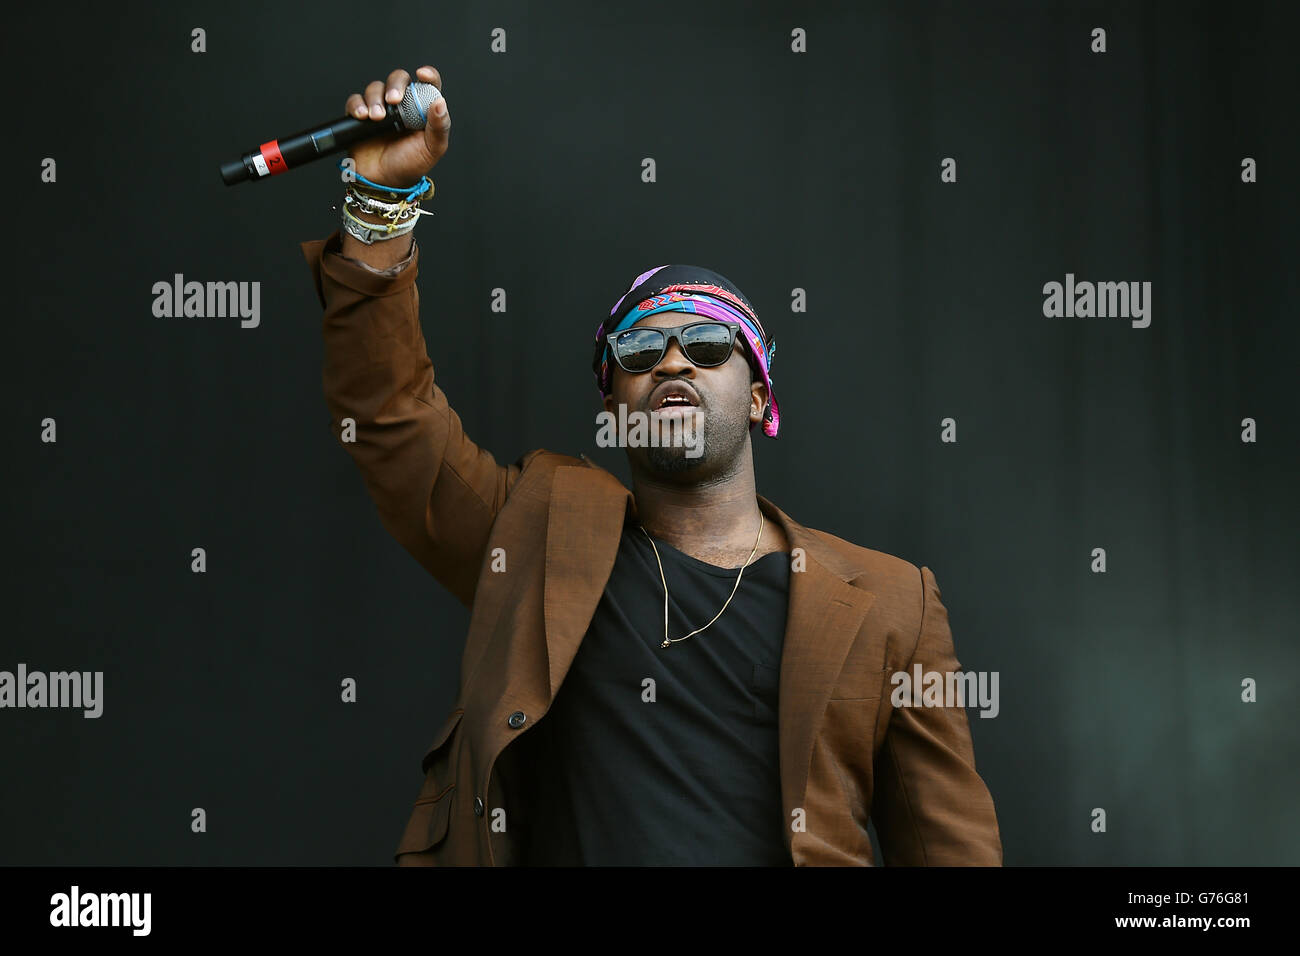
(930, 807)
(436, 491)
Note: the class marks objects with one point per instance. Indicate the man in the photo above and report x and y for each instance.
(675, 674)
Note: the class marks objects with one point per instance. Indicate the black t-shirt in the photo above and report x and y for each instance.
(684, 771)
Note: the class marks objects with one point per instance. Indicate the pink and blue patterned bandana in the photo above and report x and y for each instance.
(682, 288)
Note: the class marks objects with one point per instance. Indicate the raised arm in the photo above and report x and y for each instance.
(437, 492)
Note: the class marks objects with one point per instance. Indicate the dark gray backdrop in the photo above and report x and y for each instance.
(817, 171)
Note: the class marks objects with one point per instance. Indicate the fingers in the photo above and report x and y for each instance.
(377, 93)
(396, 86)
(375, 99)
(427, 74)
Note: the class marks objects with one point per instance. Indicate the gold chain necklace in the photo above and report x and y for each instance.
(761, 521)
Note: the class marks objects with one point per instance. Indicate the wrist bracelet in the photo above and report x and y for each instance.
(369, 232)
(401, 215)
(398, 211)
(408, 192)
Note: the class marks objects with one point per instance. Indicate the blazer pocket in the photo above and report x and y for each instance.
(428, 824)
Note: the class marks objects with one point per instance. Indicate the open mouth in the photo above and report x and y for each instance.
(673, 397)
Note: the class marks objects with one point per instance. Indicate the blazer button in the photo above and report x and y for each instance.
(478, 806)
(517, 719)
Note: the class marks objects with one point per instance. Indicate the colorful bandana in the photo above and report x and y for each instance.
(679, 288)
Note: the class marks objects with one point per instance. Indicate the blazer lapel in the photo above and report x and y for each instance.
(824, 616)
(585, 521)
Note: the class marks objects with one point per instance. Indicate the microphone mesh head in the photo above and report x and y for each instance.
(415, 104)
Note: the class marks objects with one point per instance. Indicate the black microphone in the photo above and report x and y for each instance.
(288, 152)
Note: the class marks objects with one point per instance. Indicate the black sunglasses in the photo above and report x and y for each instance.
(707, 344)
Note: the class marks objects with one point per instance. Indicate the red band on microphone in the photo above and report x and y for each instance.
(274, 161)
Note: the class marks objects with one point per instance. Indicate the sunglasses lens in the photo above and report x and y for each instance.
(707, 345)
(639, 349)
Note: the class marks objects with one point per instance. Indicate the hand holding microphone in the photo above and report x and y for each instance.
(413, 114)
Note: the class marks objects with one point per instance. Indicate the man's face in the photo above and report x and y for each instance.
(727, 398)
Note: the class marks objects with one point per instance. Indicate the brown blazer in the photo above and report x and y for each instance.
(855, 617)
